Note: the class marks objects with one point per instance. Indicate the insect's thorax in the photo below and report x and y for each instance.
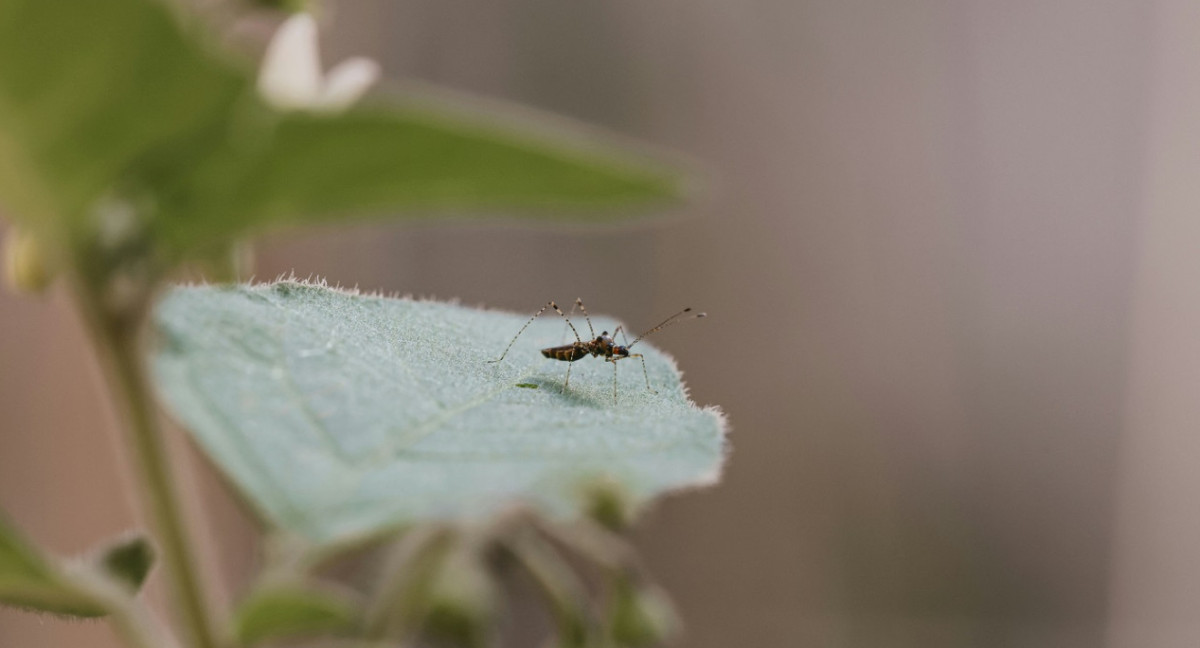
(604, 346)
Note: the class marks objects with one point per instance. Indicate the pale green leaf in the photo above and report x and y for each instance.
(29, 580)
(339, 415)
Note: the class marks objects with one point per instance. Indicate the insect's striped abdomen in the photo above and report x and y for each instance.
(567, 353)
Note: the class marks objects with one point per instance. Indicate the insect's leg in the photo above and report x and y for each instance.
(570, 313)
(567, 320)
(567, 382)
(635, 355)
(579, 303)
(644, 372)
(514, 340)
(614, 382)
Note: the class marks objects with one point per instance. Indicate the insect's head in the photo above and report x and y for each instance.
(605, 341)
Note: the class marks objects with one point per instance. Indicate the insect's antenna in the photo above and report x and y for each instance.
(677, 317)
(579, 303)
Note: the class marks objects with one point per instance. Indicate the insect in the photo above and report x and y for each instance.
(597, 345)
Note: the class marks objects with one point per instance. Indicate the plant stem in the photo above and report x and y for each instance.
(127, 615)
(117, 340)
(134, 626)
(407, 573)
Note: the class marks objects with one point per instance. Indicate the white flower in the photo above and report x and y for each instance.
(291, 79)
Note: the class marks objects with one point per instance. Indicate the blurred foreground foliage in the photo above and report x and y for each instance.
(123, 132)
(130, 145)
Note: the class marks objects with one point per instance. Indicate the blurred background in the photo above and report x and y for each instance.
(950, 253)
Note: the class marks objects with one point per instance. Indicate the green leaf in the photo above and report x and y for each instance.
(29, 580)
(100, 94)
(413, 161)
(279, 611)
(339, 414)
(154, 120)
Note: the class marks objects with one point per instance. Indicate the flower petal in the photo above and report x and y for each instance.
(347, 81)
(291, 71)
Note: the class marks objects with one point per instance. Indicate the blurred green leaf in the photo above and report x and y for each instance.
(117, 101)
(339, 414)
(96, 95)
(412, 160)
(280, 611)
(29, 580)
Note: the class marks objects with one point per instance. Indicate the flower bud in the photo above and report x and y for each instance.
(610, 504)
(642, 615)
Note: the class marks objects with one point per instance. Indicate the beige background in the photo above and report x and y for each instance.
(949, 257)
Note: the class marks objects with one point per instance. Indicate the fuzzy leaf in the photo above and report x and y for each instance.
(29, 580)
(338, 414)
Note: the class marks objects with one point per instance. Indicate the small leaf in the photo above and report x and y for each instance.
(129, 561)
(339, 415)
(29, 580)
(289, 610)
